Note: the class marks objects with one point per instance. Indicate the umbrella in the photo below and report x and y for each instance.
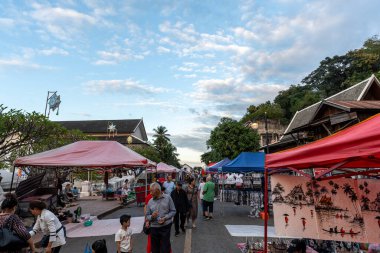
(285, 214)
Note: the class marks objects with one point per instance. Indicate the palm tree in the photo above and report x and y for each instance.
(161, 132)
(365, 203)
(347, 189)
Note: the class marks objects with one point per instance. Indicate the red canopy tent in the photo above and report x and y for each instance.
(352, 151)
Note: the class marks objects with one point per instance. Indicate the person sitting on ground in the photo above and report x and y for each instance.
(75, 192)
(10, 220)
(67, 193)
(99, 246)
(123, 237)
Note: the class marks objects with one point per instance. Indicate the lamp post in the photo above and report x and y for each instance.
(255, 126)
(129, 139)
(53, 100)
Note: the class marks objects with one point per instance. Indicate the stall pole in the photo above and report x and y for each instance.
(221, 195)
(266, 214)
(13, 176)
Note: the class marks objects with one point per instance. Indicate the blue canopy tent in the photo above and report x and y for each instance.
(246, 162)
(218, 166)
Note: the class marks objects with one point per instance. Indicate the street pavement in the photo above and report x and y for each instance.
(209, 236)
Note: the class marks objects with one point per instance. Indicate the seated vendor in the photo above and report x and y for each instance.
(75, 192)
(67, 193)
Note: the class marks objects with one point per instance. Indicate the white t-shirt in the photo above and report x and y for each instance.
(124, 237)
(201, 185)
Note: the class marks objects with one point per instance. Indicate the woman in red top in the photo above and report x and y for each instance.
(148, 246)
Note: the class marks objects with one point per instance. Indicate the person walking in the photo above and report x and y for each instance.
(168, 185)
(181, 204)
(192, 196)
(208, 197)
(159, 212)
(47, 223)
(8, 219)
(200, 190)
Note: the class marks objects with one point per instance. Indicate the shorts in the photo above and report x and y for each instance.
(209, 205)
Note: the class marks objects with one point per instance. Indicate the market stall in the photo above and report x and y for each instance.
(87, 155)
(239, 181)
(351, 152)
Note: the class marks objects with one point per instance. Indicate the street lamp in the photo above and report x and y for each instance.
(129, 139)
(255, 126)
(53, 100)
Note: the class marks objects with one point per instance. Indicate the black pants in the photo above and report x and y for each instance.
(179, 216)
(160, 239)
(56, 249)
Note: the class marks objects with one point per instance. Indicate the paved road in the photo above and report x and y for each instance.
(209, 236)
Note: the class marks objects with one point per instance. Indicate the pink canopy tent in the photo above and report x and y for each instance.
(163, 168)
(352, 151)
(87, 154)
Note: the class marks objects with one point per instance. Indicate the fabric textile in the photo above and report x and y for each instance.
(208, 206)
(192, 195)
(48, 224)
(169, 187)
(180, 200)
(16, 225)
(165, 207)
(179, 217)
(160, 239)
(209, 191)
(124, 237)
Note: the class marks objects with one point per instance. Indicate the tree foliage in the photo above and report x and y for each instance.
(23, 133)
(274, 111)
(149, 152)
(166, 150)
(229, 139)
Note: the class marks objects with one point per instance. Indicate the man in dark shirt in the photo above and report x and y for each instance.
(181, 204)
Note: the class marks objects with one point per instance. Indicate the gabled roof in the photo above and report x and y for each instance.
(353, 93)
(101, 126)
(350, 105)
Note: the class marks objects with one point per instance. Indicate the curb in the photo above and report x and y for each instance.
(113, 209)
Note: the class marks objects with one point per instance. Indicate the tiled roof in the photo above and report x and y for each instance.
(366, 104)
(101, 126)
(304, 116)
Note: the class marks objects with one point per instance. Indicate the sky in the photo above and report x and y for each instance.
(179, 64)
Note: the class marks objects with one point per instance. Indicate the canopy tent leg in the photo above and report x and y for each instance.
(266, 215)
(13, 176)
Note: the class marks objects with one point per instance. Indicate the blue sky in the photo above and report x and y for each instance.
(181, 64)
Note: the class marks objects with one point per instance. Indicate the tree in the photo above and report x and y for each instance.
(166, 150)
(273, 111)
(149, 152)
(229, 139)
(23, 133)
(295, 98)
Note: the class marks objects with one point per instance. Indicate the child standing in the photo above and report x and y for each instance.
(123, 237)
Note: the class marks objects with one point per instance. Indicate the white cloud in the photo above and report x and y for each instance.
(6, 22)
(121, 86)
(18, 63)
(62, 23)
(53, 51)
(162, 50)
